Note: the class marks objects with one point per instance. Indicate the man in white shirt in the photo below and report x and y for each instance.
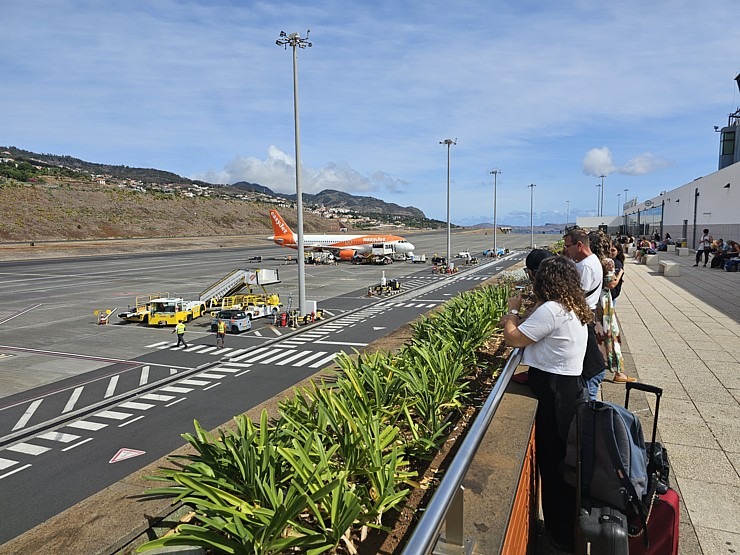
(578, 249)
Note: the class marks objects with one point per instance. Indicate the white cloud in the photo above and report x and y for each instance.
(277, 172)
(598, 161)
(644, 164)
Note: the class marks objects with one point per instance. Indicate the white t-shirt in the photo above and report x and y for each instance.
(592, 278)
(560, 340)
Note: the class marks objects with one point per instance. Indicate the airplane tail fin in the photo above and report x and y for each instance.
(282, 234)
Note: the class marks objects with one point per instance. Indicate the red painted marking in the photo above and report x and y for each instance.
(125, 453)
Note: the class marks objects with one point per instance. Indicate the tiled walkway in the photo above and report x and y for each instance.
(683, 334)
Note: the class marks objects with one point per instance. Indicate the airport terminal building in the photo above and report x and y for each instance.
(712, 201)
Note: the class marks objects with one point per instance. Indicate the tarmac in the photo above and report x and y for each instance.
(683, 334)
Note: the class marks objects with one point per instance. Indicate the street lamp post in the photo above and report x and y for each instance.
(531, 214)
(295, 41)
(449, 143)
(598, 199)
(495, 246)
(623, 212)
(619, 202)
(601, 209)
(567, 212)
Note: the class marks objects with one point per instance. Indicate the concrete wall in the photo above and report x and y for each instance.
(717, 206)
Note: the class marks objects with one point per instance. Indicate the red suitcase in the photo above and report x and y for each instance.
(662, 526)
(663, 515)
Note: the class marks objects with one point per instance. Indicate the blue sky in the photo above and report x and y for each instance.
(550, 93)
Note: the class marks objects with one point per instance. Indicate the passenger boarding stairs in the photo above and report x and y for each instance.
(236, 280)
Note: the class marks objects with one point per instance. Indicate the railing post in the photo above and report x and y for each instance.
(453, 543)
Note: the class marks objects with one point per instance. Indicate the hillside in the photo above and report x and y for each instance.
(48, 197)
(58, 212)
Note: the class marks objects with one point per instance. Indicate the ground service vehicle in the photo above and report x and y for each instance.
(418, 258)
(140, 311)
(168, 311)
(235, 320)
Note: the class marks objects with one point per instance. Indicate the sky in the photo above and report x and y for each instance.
(551, 93)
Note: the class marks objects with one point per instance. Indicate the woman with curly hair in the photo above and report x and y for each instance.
(554, 338)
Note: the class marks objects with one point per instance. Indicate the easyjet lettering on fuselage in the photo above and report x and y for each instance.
(345, 247)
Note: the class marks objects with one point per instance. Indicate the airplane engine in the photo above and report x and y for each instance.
(346, 254)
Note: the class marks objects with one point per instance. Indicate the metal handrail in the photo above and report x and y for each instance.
(425, 534)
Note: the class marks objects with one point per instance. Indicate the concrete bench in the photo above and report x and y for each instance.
(651, 260)
(669, 268)
(670, 248)
(682, 251)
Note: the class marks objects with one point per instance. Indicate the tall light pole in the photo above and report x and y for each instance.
(601, 210)
(619, 202)
(531, 214)
(598, 199)
(449, 143)
(295, 41)
(625, 215)
(495, 246)
(567, 212)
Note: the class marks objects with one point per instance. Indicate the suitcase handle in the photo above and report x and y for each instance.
(644, 387)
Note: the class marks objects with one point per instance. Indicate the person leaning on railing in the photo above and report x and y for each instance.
(554, 338)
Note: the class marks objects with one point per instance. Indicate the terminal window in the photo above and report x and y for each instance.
(728, 143)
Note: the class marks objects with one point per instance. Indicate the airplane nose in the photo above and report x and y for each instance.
(410, 247)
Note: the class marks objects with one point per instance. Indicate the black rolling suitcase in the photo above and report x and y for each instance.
(599, 528)
(659, 535)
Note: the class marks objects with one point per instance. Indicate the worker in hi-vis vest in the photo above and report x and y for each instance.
(220, 334)
(180, 330)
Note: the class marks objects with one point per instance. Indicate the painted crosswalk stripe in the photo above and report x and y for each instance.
(231, 370)
(157, 397)
(25, 466)
(77, 444)
(248, 355)
(323, 361)
(28, 449)
(144, 378)
(193, 382)
(193, 348)
(158, 345)
(87, 425)
(235, 364)
(175, 389)
(223, 350)
(261, 356)
(113, 415)
(207, 350)
(310, 358)
(210, 376)
(111, 387)
(58, 436)
(285, 361)
(6, 463)
(277, 357)
(23, 420)
(136, 406)
(232, 355)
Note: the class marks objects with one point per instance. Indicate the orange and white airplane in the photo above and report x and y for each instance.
(343, 246)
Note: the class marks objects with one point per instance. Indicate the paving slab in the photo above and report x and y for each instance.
(696, 362)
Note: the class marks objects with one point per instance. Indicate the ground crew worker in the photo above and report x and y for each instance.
(220, 334)
(180, 329)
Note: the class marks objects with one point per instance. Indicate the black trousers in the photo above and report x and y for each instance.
(557, 398)
(706, 256)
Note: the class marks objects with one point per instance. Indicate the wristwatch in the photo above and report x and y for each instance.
(514, 311)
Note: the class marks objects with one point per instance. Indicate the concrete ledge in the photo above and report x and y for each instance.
(670, 248)
(651, 260)
(682, 251)
(669, 268)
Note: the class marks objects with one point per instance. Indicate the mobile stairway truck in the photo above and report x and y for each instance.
(236, 290)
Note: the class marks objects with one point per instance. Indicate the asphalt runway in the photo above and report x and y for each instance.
(74, 393)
